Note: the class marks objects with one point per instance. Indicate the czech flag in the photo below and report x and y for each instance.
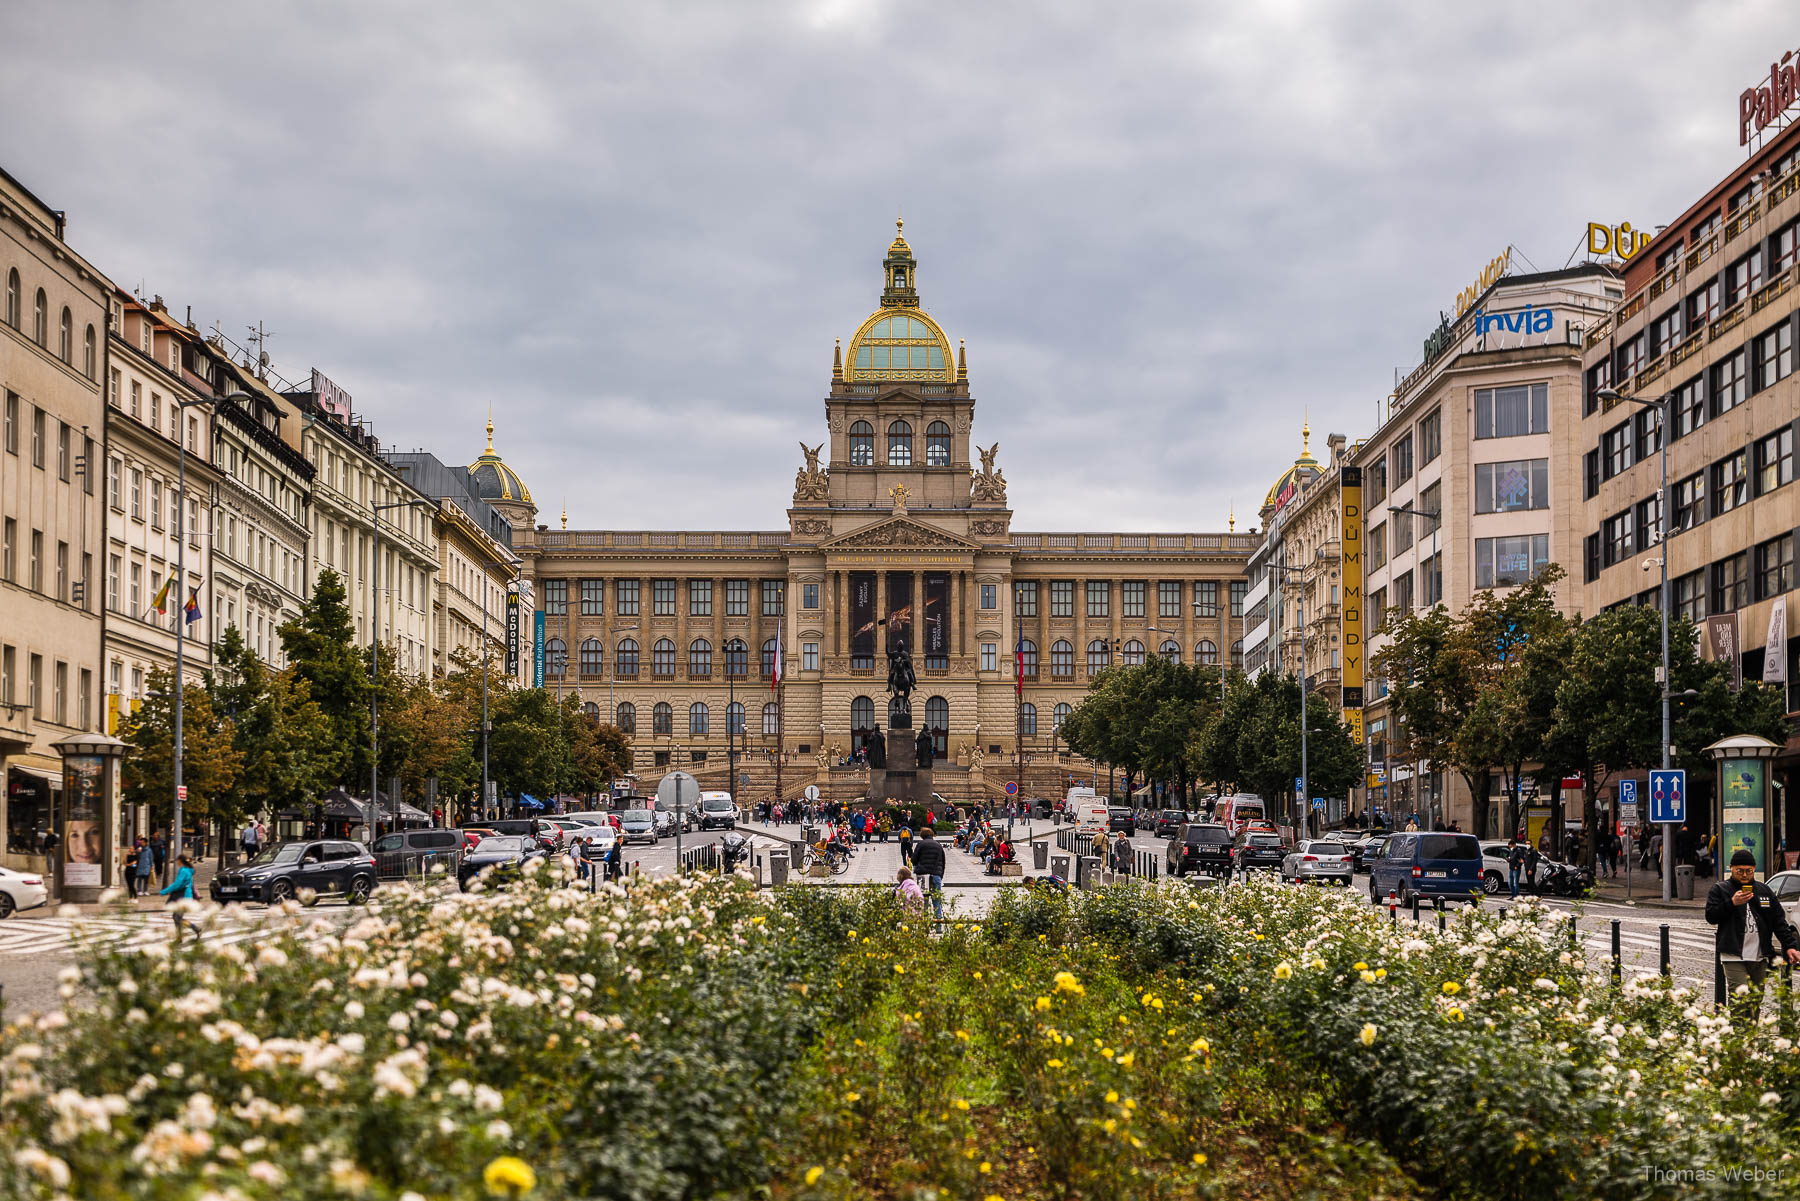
(775, 677)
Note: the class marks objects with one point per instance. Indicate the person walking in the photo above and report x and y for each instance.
(1749, 922)
(906, 842)
(159, 854)
(180, 889)
(1515, 863)
(928, 864)
(143, 865)
(1097, 850)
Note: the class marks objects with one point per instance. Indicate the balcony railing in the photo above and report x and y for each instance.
(1701, 253)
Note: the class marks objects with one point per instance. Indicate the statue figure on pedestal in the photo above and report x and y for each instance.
(877, 750)
(925, 748)
(900, 682)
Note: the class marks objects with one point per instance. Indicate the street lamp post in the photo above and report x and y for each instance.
(181, 537)
(375, 659)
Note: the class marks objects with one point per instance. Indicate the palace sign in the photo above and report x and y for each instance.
(1759, 107)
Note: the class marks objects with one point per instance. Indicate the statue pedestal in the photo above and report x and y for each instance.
(903, 781)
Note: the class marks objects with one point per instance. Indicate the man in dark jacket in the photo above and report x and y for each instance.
(928, 866)
(1750, 921)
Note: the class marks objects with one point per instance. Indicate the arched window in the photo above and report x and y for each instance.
(1206, 654)
(89, 367)
(1170, 650)
(1062, 658)
(737, 658)
(768, 658)
(593, 655)
(699, 720)
(1028, 720)
(662, 719)
(734, 717)
(937, 720)
(899, 444)
(65, 337)
(771, 718)
(626, 718)
(1133, 654)
(1028, 659)
(15, 300)
(625, 663)
(862, 722)
(40, 320)
(662, 658)
(1058, 716)
(937, 445)
(556, 656)
(862, 445)
(700, 658)
(591, 710)
(1237, 655)
(1099, 656)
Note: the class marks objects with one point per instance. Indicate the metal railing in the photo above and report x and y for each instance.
(402, 865)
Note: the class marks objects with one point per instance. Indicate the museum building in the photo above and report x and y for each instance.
(899, 530)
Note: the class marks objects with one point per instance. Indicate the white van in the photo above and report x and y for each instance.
(717, 809)
(1087, 809)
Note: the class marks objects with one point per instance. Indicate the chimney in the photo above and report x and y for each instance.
(1335, 444)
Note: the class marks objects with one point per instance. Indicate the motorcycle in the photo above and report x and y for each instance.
(734, 850)
(1564, 880)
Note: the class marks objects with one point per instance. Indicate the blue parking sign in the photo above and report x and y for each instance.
(1668, 796)
(1627, 792)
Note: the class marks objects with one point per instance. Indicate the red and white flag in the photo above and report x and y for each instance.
(775, 676)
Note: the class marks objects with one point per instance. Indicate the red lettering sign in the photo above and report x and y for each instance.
(1759, 106)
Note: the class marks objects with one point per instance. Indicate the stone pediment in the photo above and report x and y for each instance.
(900, 533)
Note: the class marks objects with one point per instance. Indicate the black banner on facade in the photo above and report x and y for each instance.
(900, 610)
(862, 615)
(936, 618)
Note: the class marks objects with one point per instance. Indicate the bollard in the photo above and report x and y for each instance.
(1502, 913)
(1393, 909)
(1415, 909)
(1618, 969)
(1665, 950)
(1571, 931)
(1441, 915)
(778, 868)
(1059, 867)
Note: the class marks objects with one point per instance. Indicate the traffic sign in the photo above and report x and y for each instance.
(1668, 796)
(812, 792)
(181, 792)
(1300, 785)
(1012, 788)
(678, 790)
(1627, 792)
(1318, 802)
(1628, 815)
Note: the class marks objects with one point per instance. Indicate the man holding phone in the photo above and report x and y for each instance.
(1750, 921)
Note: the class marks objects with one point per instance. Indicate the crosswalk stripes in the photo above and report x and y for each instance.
(60, 934)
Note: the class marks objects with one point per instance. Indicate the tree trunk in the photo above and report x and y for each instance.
(1480, 787)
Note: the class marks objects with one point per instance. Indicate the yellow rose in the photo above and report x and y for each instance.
(508, 1177)
(1368, 1035)
(813, 1174)
(1451, 988)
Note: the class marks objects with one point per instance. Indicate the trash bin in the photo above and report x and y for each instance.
(809, 834)
(778, 868)
(1684, 881)
(1090, 872)
(1040, 855)
(1059, 867)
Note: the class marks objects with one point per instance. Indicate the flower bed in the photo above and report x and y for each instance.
(694, 1039)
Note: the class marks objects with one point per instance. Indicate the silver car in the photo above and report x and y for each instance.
(1320, 860)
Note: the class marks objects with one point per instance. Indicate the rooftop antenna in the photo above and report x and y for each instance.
(259, 338)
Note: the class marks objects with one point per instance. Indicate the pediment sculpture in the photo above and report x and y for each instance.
(901, 532)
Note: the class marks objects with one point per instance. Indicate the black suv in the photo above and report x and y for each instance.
(1200, 847)
(1169, 821)
(307, 870)
(1260, 850)
(1120, 818)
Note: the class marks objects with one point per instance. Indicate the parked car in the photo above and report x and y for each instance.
(1427, 864)
(416, 853)
(472, 835)
(21, 890)
(1199, 847)
(1496, 871)
(305, 869)
(1326, 860)
(1256, 849)
(1169, 821)
(638, 825)
(1119, 817)
(1367, 848)
(502, 857)
(1144, 821)
(717, 811)
(529, 827)
(1785, 885)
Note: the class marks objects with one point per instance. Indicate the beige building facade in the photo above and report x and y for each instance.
(900, 531)
(52, 371)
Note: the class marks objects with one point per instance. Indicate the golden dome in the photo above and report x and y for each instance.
(493, 479)
(1305, 468)
(900, 341)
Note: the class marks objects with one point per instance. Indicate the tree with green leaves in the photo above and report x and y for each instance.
(210, 762)
(321, 649)
(1430, 689)
(280, 732)
(598, 752)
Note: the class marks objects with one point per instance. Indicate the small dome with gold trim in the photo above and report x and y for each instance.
(493, 479)
(900, 341)
(1294, 478)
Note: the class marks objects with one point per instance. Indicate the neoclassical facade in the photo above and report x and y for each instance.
(900, 529)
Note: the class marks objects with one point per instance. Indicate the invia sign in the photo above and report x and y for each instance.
(1528, 320)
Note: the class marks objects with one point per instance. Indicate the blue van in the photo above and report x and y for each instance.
(1425, 864)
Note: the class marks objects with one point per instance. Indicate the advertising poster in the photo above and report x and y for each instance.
(1741, 785)
(1722, 642)
(900, 609)
(862, 615)
(512, 633)
(1351, 520)
(937, 605)
(84, 834)
(537, 649)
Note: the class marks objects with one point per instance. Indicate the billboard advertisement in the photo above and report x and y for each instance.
(1741, 827)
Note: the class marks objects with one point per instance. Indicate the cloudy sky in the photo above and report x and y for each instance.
(1167, 231)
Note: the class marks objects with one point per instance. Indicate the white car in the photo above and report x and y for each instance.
(21, 890)
(1322, 859)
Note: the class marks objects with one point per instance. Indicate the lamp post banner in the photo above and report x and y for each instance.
(1775, 648)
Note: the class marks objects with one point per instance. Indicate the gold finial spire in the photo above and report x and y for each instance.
(565, 517)
(899, 223)
(1231, 520)
(962, 361)
(490, 430)
(837, 359)
(1306, 436)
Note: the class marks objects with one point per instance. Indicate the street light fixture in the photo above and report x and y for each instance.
(1612, 396)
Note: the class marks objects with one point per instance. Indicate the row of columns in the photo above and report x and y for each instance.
(962, 604)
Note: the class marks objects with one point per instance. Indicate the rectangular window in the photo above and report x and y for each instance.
(1781, 248)
(137, 590)
(1025, 598)
(1665, 331)
(1646, 432)
(1206, 598)
(37, 438)
(62, 571)
(1730, 584)
(1376, 481)
(1431, 581)
(1431, 437)
(34, 686)
(1512, 412)
(990, 596)
(1775, 566)
(1062, 598)
(772, 598)
(699, 598)
(1168, 598)
(1730, 483)
(1774, 460)
(1376, 547)
(1401, 524)
(59, 694)
(1240, 590)
(593, 598)
(990, 656)
(1590, 474)
(1099, 598)
(1702, 307)
(35, 577)
(1599, 376)
(809, 596)
(1688, 595)
(114, 567)
(137, 495)
(1615, 450)
(556, 597)
(1512, 486)
(1730, 383)
(8, 562)
(156, 509)
(662, 598)
(1615, 538)
(1402, 457)
(626, 592)
(1775, 355)
(737, 598)
(1690, 407)
(62, 452)
(1131, 597)
(1745, 276)
(1688, 506)
(809, 656)
(1631, 356)
(1510, 562)
(1377, 607)
(1649, 522)
(84, 704)
(12, 423)
(1403, 591)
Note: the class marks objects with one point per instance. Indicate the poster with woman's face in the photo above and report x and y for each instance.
(84, 845)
